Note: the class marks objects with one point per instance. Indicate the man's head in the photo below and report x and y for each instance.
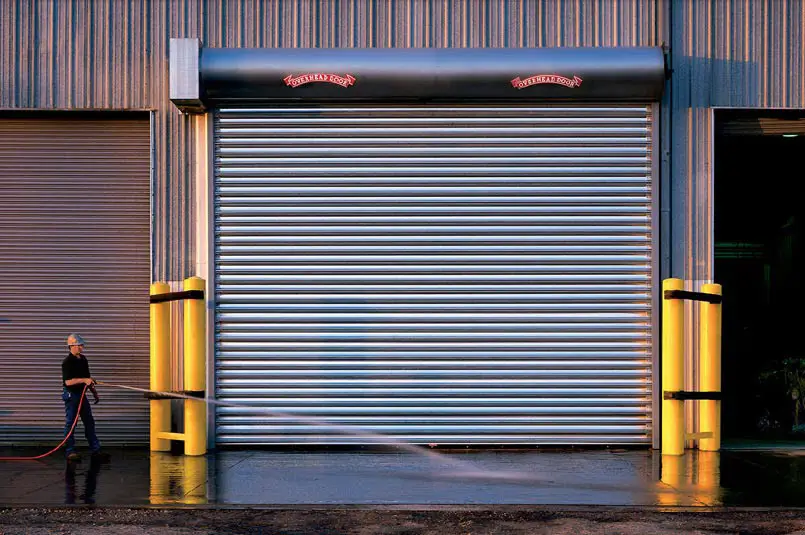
(75, 343)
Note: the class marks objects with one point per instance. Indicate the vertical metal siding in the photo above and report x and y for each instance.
(737, 53)
(74, 236)
(112, 54)
(442, 274)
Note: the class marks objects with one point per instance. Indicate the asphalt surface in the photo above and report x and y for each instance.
(453, 520)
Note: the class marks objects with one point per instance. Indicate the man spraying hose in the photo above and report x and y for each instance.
(75, 375)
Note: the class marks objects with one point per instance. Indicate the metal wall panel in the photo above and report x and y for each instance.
(74, 231)
(736, 53)
(454, 275)
(110, 54)
(113, 54)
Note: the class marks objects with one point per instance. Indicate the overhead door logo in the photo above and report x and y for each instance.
(295, 81)
(554, 79)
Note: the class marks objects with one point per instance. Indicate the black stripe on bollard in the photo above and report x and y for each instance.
(178, 296)
(682, 395)
(173, 394)
(713, 299)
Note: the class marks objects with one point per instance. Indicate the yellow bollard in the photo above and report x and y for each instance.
(195, 343)
(673, 410)
(160, 368)
(710, 369)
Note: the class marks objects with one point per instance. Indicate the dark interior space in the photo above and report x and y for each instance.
(760, 262)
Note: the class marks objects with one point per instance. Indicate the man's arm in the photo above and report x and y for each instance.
(81, 381)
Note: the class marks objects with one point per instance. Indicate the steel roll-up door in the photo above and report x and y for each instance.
(440, 274)
(75, 236)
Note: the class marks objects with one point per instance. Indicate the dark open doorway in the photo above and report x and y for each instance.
(760, 261)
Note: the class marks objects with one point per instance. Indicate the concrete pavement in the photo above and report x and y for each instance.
(626, 478)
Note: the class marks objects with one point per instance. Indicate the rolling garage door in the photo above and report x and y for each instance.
(450, 275)
(75, 233)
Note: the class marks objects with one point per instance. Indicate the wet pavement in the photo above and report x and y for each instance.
(743, 476)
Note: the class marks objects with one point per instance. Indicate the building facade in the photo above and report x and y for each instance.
(89, 79)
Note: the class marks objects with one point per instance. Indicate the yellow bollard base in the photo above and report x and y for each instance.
(709, 444)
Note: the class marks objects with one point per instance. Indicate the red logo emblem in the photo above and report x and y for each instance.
(296, 81)
(546, 79)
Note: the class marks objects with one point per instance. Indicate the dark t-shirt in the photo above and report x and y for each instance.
(74, 368)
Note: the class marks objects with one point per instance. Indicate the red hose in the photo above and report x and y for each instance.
(77, 415)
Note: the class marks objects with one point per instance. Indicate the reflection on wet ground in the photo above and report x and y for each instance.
(586, 477)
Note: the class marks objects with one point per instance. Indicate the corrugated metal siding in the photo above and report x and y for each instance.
(443, 274)
(74, 231)
(738, 53)
(113, 54)
(105, 54)
(741, 53)
(724, 53)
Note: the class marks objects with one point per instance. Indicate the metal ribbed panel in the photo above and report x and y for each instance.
(118, 52)
(739, 54)
(441, 274)
(74, 232)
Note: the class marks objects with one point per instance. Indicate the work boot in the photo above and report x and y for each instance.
(74, 457)
(101, 456)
